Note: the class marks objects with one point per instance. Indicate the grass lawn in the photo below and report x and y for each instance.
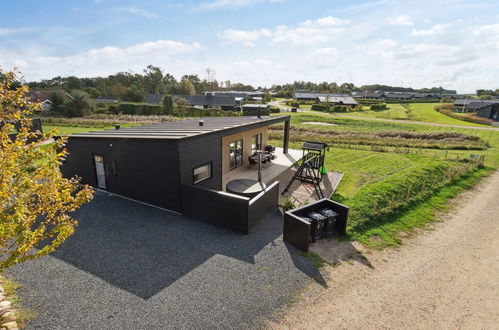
(362, 168)
(424, 112)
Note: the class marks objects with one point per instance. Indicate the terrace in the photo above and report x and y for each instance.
(270, 172)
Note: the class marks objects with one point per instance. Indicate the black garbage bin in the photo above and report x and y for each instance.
(317, 225)
(329, 222)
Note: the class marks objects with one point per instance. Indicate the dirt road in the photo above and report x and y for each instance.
(446, 278)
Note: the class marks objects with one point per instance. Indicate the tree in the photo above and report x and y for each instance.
(79, 106)
(181, 107)
(168, 107)
(36, 201)
(133, 94)
(92, 92)
(267, 97)
(186, 87)
(58, 99)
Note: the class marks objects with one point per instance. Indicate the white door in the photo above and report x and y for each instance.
(100, 171)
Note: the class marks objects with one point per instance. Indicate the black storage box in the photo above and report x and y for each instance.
(299, 230)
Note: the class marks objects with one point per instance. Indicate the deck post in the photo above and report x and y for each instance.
(286, 136)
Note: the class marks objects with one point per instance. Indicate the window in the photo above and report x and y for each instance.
(256, 143)
(236, 154)
(201, 173)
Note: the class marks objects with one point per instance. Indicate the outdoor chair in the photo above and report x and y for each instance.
(270, 150)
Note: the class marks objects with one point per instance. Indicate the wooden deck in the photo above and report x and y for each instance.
(270, 171)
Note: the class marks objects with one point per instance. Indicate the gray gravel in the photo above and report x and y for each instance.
(130, 266)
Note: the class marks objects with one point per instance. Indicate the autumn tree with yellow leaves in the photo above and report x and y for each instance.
(36, 201)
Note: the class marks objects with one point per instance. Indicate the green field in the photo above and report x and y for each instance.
(364, 168)
(424, 112)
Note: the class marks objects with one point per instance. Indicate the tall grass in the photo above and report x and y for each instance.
(447, 109)
(400, 139)
(377, 201)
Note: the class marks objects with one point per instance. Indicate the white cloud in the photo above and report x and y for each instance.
(232, 35)
(231, 4)
(434, 30)
(101, 61)
(402, 20)
(308, 32)
(140, 12)
(488, 34)
(9, 31)
(323, 52)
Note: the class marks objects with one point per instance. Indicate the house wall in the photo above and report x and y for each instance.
(199, 151)
(246, 137)
(145, 170)
(485, 112)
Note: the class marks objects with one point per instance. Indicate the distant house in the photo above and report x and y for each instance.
(107, 99)
(337, 100)
(452, 96)
(309, 96)
(254, 109)
(400, 95)
(488, 109)
(377, 95)
(44, 96)
(155, 98)
(210, 100)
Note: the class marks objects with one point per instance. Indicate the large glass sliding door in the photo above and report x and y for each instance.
(236, 154)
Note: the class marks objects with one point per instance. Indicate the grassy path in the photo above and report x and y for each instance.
(478, 127)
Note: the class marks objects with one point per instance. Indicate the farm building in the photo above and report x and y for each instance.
(155, 98)
(211, 100)
(184, 166)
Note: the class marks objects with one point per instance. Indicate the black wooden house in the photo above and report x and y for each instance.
(179, 166)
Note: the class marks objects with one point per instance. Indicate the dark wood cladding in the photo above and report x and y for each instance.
(145, 170)
(261, 204)
(219, 209)
(199, 151)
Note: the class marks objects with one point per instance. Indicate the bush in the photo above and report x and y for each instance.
(273, 109)
(448, 110)
(320, 107)
(340, 108)
(141, 109)
(376, 202)
(379, 106)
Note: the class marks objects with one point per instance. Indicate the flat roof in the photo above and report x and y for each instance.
(183, 128)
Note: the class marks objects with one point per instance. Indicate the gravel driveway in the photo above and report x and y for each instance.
(447, 278)
(131, 266)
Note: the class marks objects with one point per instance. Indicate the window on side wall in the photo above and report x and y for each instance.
(201, 173)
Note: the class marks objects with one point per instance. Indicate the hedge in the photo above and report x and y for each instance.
(447, 109)
(380, 106)
(320, 107)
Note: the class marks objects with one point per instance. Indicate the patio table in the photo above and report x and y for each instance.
(266, 157)
(245, 187)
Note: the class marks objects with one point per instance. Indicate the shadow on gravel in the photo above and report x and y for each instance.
(143, 250)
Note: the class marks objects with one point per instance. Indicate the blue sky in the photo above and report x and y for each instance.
(449, 43)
